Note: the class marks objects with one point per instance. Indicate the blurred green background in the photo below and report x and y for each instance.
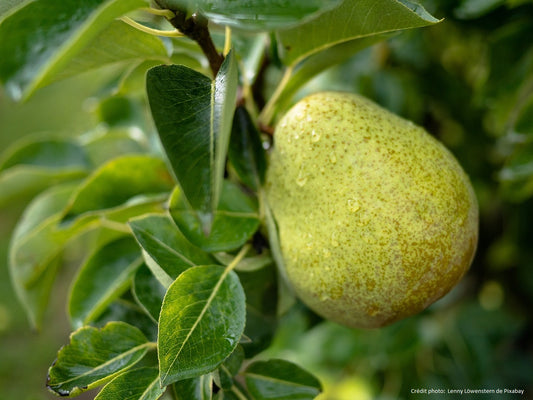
(469, 81)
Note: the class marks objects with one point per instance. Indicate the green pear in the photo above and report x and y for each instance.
(376, 218)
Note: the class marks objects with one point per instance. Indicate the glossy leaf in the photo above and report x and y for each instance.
(128, 311)
(201, 322)
(193, 116)
(316, 63)
(165, 244)
(104, 277)
(351, 20)
(95, 356)
(517, 175)
(230, 368)
(135, 384)
(246, 152)
(261, 293)
(251, 51)
(256, 14)
(8, 6)
(118, 182)
(35, 164)
(117, 43)
(235, 220)
(148, 292)
(248, 264)
(199, 388)
(46, 153)
(280, 380)
(102, 147)
(42, 211)
(38, 39)
(39, 239)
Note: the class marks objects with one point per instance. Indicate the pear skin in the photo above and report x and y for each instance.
(377, 220)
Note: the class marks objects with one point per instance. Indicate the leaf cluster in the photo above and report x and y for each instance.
(181, 287)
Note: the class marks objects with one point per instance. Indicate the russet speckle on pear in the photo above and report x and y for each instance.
(376, 218)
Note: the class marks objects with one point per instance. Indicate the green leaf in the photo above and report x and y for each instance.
(128, 311)
(148, 292)
(235, 220)
(248, 264)
(250, 49)
(8, 6)
(35, 164)
(39, 212)
(470, 9)
(517, 175)
(201, 322)
(230, 368)
(117, 43)
(193, 116)
(351, 20)
(257, 14)
(199, 388)
(119, 182)
(104, 277)
(261, 290)
(136, 384)
(95, 356)
(39, 239)
(40, 38)
(102, 147)
(313, 65)
(163, 242)
(45, 153)
(286, 297)
(280, 379)
(246, 152)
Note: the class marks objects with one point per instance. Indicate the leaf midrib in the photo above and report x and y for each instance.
(146, 345)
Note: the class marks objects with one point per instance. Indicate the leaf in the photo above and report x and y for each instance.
(261, 291)
(246, 152)
(35, 164)
(257, 14)
(351, 20)
(199, 388)
(148, 292)
(39, 239)
(250, 49)
(201, 322)
(35, 297)
(248, 264)
(229, 368)
(102, 147)
(517, 175)
(95, 356)
(117, 43)
(470, 9)
(103, 278)
(193, 116)
(235, 220)
(136, 384)
(118, 182)
(280, 379)
(128, 311)
(314, 64)
(165, 245)
(8, 6)
(286, 297)
(38, 39)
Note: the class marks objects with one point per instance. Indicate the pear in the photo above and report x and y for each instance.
(376, 218)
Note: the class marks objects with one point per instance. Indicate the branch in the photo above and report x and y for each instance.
(195, 28)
